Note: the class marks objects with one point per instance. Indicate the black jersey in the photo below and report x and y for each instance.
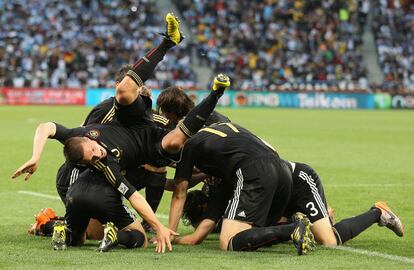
(104, 113)
(218, 149)
(138, 113)
(120, 144)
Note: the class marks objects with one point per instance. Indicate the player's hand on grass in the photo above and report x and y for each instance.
(163, 238)
(27, 168)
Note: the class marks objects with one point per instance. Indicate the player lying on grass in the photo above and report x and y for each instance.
(259, 182)
(101, 147)
(204, 209)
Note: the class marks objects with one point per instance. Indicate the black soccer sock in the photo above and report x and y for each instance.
(145, 66)
(349, 228)
(131, 239)
(47, 228)
(197, 117)
(254, 238)
(70, 240)
(153, 196)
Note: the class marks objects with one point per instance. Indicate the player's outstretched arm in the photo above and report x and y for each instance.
(197, 237)
(144, 210)
(177, 203)
(43, 132)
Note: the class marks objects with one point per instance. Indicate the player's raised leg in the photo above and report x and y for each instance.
(128, 89)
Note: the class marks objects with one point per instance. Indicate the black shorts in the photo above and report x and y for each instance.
(261, 192)
(91, 196)
(65, 177)
(138, 113)
(141, 178)
(218, 197)
(308, 196)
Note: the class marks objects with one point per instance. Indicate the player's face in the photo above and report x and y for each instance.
(92, 151)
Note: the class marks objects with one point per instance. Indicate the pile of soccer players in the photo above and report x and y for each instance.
(81, 43)
(252, 196)
(282, 45)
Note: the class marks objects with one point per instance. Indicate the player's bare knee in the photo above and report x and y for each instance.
(224, 244)
(325, 237)
(323, 232)
(173, 142)
(328, 242)
(126, 93)
(123, 98)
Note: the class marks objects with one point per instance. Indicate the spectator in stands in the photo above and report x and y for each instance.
(393, 26)
(81, 43)
(281, 45)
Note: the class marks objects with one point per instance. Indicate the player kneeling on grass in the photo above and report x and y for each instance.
(204, 209)
(308, 197)
(258, 181)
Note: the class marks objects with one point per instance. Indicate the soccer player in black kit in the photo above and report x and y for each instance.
(204, 209)
(108, 149)
(260, 182)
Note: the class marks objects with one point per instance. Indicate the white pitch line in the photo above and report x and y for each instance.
(38, 194)
(349, 249)
(368, 185)
(377, 254)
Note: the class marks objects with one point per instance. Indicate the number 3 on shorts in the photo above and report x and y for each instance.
(312, 208)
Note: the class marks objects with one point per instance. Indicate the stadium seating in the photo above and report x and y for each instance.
(393, 26)
(281, 45)
(270, 45)
(82, 43)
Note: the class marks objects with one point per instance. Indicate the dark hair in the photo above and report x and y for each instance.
(145, 91)
(174, 100)
(194, 207)
(122, 72)
(73, 150)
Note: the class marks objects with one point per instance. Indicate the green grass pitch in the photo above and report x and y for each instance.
(361, 156)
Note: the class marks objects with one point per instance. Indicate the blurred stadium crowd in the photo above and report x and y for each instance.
(393, 26)
(82, 43)
(263, 45)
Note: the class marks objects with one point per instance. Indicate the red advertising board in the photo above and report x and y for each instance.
(42, 96)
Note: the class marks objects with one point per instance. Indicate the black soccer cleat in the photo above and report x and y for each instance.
(302, 236)
(59, 236)
(110, 239)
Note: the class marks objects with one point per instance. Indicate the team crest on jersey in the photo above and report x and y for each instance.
(93, 134)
